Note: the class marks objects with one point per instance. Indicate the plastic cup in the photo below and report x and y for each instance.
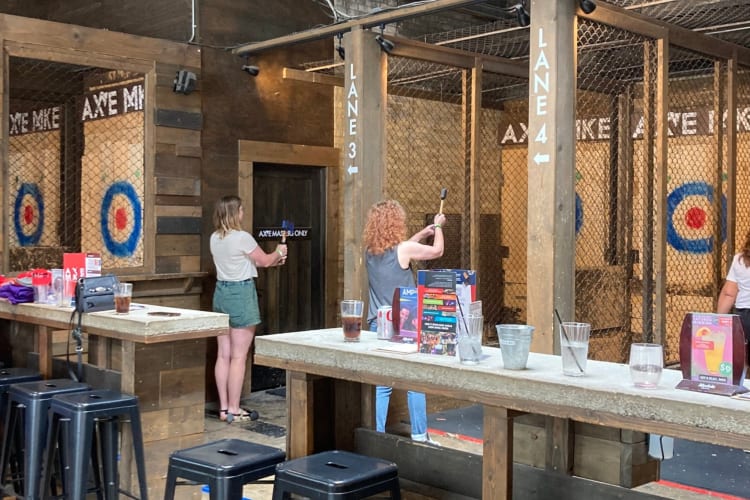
(574, 347)
(351, 319)
(469, 338)
(646, 365)
(123, 294)
(515, 343)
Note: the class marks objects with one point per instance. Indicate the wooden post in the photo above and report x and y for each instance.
(660, 154)
(364, 148)
(299, 415)
(497, 454)
(551, 165)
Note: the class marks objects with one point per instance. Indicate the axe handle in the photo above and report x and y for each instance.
(283, 237)
(441, 206)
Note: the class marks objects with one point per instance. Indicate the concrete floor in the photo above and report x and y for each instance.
(270, 429)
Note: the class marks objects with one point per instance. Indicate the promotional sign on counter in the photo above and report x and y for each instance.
(437, 312)
(76, 266)
(405, 315)
(712, 354)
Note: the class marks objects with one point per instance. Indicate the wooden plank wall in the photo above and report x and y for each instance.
(178, 121)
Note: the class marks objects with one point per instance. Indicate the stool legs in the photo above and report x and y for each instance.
(12, 440)
(90, 428)
(109, 446)
(140, 456)
(77, 457)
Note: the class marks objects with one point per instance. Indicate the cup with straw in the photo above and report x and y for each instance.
(574, 346)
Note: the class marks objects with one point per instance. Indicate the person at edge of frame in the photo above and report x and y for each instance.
(736, 290)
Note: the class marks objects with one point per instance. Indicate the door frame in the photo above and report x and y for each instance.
(299, 155)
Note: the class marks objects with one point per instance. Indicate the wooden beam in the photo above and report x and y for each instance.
(312, 77)
(661, 154)
(413, 49)
(387, 17)
(635, 22)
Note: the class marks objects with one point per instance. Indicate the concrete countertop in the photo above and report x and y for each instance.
(144, 323)
(605, 395)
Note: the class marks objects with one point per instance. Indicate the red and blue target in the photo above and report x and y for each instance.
(688, 228)
(28, 214)
(121, 215)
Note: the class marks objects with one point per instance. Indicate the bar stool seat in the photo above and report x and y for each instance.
(28, 404)
(10, 376)
(79, 415)
(336, 475)
(225, 466)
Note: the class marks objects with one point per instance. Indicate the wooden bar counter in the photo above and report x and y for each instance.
(604, 396)
(154, 352)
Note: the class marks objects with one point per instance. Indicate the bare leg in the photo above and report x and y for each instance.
(230, 367)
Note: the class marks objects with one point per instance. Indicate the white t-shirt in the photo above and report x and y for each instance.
(740, 275)
(232, 256)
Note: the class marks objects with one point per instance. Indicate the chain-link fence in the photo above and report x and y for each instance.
(647, 219)
(618, 181)
(75, 164)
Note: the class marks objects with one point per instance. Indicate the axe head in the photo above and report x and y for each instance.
(443, 193)
(287, 225)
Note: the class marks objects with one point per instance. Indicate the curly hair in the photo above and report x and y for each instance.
(745, 252)
(227, 215)
(385, 226)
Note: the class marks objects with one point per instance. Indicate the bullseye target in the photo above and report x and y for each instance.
(579, 214)
(28, 214)
(121, 216)
(688, 220)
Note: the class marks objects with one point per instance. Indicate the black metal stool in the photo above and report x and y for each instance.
(28, 403)
(336, 475)
(8, 377)
(80, 415)
(224, 465)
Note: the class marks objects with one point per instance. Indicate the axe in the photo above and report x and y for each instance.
(443, 194)
(286, 227)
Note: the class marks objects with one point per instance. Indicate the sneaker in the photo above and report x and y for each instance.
(427, 440)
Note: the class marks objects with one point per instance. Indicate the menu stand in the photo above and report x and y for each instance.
(712, 354)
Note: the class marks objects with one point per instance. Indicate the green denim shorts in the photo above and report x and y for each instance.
(239, 300)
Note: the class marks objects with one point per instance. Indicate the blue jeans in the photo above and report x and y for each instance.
(417, 407)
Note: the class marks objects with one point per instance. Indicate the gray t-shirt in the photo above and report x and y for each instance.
(385, 274)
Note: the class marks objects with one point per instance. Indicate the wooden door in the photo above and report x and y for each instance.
(291, 296)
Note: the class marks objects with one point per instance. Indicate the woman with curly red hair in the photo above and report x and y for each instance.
(388, 256)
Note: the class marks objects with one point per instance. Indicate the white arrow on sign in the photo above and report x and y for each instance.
(352, 170)
(540, 158)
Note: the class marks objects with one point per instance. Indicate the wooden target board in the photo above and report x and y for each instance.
(112, 197)
(34, 173)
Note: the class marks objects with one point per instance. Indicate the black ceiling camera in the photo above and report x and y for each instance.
(184, 82)
(251, 70)
(385, 44)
